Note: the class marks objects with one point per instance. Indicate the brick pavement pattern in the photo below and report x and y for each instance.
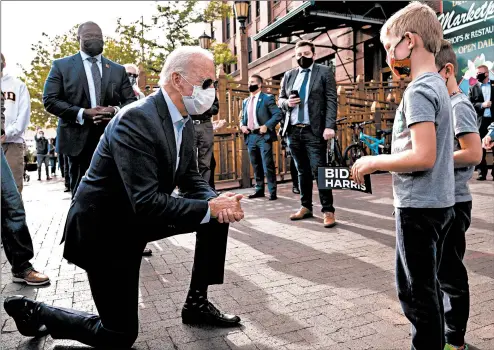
(296, 285)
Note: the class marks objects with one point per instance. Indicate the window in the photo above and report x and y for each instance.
(234, 26)
(249, 49)
(227, 28)
(270, 14)
(212, 30)
(259, 55)
(235, 53)
(249, 14)
(258, 8)
(277, 45)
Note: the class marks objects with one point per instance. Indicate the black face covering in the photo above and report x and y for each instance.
(133, 81)
(253, 88)
(481, 77)
(305, 62)
(93, 47)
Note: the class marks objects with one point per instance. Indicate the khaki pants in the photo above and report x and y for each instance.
(14, 152)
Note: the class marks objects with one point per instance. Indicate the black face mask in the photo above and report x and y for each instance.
(253, 88)
(93, 47)
(481, 77)
(305, 62)
(133, 80)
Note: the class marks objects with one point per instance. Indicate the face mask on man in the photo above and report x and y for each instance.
(253, 88)
(93, 47)
(481, 77)
(201, 99)
(305, 62)
(133, 80)
(400, 67)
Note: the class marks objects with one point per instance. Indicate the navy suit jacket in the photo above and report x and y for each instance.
(125, 197)
(267, 112)
(66, 91)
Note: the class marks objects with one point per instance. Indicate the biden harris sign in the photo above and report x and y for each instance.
(338, 178)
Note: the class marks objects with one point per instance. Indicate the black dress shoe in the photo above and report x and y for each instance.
(24, 311)
(66, 189)
(295, 190)
(258, 194)
(481, 178)
(208, 314)
(147, 252)
(273, 197)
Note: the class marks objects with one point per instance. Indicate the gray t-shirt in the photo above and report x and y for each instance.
(464, 122)
(425, 99)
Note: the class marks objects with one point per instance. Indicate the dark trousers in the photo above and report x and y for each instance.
(420, 234)
(482, 167)
(78, 165)
(213, 168)
(16, 239)
(293, 172)
(63, 162)
(53, 164)
(309, 153)
(453, 276)
(203, 139)
(117, 324)
(43, 159)
(262, 160)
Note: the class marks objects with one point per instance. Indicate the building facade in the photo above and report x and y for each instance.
(347, 38)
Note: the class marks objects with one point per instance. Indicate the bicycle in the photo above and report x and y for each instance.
(377, 145)
(333, 154)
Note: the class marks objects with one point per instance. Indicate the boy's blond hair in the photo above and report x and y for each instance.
(446, 55)
(417, 18)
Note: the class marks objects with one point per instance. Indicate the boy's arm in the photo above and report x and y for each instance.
(466, 131)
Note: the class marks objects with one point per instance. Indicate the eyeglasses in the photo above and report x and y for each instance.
(133, 75)
(206, 83)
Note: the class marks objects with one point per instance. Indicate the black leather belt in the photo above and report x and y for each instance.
(255, 131)
(197, 121)
(301, 125)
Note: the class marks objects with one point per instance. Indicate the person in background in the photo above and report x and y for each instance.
(85, 91)
(16, 239)
(52, 154)
(452, 274)
(482, 95)
(17, 116)
(260, 115)
(310, 122)
(42, 155)
(133, 74)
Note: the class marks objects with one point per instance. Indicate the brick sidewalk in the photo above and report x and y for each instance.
(295, 285)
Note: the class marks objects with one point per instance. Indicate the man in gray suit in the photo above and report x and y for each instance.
(308, 97)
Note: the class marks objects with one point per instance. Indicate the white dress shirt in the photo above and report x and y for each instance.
(90, 82)
(296, 86)
(178, 126)
(247, 105)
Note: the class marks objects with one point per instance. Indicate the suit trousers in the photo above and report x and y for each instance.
(16, 239)
(262, 160)
(118, 322)
(309, 153)
(78, 165)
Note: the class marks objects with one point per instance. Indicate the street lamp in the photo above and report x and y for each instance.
(242, 12)
(205, 41)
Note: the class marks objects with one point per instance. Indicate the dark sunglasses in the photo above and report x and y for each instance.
(206, 84)
(132, 75)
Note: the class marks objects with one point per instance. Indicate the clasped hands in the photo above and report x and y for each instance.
(99, 114)
(226, 208)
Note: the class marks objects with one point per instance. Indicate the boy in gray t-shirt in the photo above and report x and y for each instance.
(422, 167)
(452, 274)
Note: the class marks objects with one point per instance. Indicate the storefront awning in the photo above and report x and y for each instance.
(321, 16)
